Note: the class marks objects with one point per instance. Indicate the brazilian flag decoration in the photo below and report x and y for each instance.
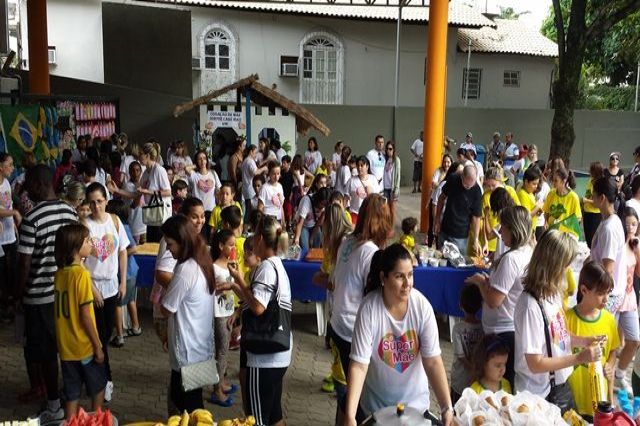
(569, 224)
(29, 128)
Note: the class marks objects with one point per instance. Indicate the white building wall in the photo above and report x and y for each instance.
(74, 27)
(369, 60)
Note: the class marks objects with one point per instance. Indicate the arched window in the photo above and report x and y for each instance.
(322, 64)
(217, 50)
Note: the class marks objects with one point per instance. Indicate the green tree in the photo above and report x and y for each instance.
(510, 13)
(577, 26)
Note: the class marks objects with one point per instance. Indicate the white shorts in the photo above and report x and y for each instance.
(629, 323)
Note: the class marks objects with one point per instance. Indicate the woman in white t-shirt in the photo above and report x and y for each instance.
(204, 183)
(129, 191)
(395, 353)
(360, 186)
(271, 196)
(154, 179)
(10, 218)
(108, 267)
(543, 288)
(188, 305)
(352, 268)
(263, 373)
(434, 191)
(343, 172)
(309, 219)
(179, 159)
(313, 156)
(501, 289)
(249, 169)
(336, 157)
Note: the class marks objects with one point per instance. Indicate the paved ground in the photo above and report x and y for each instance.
(141, 369)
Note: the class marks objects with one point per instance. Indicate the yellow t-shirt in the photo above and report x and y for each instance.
(588, 193)
(408, 242)
(215, 221)
(322, 170)
(560, 207)
(347, 214)
(72, 291)
(528, 201)
(571, 288)
(493, 219)
(579, 381)
(504, 385)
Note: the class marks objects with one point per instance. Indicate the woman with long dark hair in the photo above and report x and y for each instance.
(391, 307)
(391, 177)
(188, 305)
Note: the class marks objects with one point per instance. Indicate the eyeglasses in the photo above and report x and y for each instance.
(389, 148)
(615, 159)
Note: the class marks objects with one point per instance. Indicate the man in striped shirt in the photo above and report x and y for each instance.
(37, 267)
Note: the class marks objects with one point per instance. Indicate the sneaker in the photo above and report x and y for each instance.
(134, 332)
(47, 416)
(623, 383)
(117, 341)
(108, 391)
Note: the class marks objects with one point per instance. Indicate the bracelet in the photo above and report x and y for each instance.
(444, 410)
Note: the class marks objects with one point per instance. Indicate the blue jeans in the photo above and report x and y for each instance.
(461, 243)
(305, 243)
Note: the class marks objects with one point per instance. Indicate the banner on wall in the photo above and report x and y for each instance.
(29, 128)
(225, 118)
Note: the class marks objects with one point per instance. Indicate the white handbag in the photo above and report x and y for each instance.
(156, 212)
(199, 375)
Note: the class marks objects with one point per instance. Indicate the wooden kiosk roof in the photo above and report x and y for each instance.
(263, 96)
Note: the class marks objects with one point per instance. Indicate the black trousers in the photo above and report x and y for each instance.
(183, 401)
(8, 272)
(105, 321)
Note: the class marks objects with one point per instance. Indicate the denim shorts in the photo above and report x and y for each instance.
(75, 374)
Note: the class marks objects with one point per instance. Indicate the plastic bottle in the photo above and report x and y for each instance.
(598, 383)
(636, 407)
(604, 416)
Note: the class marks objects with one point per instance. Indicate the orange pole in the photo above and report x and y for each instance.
(435, 100)
(38, 47)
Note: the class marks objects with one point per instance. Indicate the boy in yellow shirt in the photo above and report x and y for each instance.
(589, 319)
(526, 194)
(226, 194)
(79, 346)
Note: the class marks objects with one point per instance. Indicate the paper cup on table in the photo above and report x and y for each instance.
(443, 263)
(433, 263)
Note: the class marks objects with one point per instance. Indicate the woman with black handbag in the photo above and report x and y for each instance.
(266, 341)
(543, 361)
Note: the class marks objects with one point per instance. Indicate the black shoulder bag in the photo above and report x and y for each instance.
(559, 395)
(270, 332)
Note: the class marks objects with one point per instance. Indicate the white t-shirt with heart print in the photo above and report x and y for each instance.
(394, 350)
(358, 190)
(204, 187)
(272, 196)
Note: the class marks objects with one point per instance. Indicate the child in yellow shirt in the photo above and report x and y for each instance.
(489, 365)
(589, 319)
(226, 195)
(81, 355)
(409, 228)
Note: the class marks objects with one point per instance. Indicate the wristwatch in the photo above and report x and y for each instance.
(444, 410)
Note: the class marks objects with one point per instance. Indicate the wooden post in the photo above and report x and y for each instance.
(247, 111)
(38, 47)
(435, 100)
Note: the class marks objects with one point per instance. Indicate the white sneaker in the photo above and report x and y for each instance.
(108, 391)
(623, 383)
(47, 416)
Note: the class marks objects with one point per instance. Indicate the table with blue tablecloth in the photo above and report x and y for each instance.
(441, 286)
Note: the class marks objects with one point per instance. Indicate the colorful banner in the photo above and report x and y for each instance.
(29, 128)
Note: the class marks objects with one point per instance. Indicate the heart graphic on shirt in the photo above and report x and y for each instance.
(398, 352)
(103, 248)
(5, 200)
(276, 200)
(361, 192)
(205, 185)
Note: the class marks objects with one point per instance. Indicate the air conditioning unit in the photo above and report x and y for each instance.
(195, 63)
(289, 70)
(51, 53)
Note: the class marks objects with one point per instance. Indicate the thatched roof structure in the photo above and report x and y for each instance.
(264, 96)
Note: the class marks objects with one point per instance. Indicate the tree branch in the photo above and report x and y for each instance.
(603, 23)
(559, 21)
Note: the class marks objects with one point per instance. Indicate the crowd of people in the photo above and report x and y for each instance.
(68, 238)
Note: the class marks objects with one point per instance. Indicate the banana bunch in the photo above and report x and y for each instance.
(249, 421)
(199, 417)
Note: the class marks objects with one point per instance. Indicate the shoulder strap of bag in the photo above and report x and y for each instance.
(116, 222)
(547, 338)
(277, 280)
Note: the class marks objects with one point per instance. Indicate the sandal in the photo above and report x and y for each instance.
(233, 389)
(214, 400)
(134, 332)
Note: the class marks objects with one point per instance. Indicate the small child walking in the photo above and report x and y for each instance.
(122, 210)
(465, 335)
(587, 319)
(81, 355)
(489, 365)
(223, 252)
